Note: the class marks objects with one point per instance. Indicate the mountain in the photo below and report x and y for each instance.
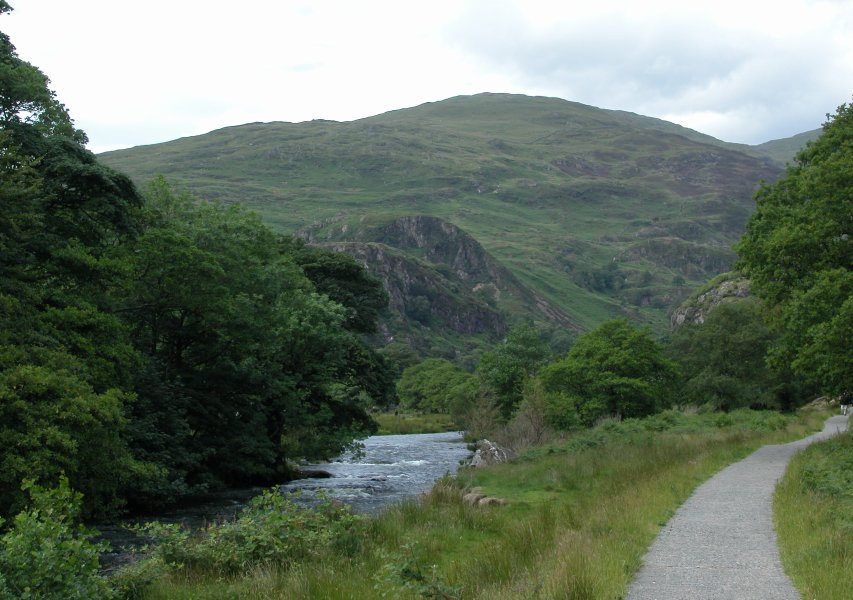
(575, 213)
(783, 150)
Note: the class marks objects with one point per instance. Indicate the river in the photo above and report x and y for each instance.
(390, 469)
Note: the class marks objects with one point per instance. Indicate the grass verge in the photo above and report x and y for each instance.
(813, 510)
(404, 423)
(579, 517)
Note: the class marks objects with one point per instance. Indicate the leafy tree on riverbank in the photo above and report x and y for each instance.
(65, 359)
(505, 370)
(433, 386)
(153, 347)
(613, 370)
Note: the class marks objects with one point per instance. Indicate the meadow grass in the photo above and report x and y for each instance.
(580, 515)
(813, 511)
(403, 423)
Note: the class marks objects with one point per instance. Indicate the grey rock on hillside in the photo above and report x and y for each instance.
(728, 287)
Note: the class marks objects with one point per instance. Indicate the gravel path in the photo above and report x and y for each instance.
(721, 545)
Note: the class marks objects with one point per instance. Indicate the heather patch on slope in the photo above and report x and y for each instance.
(600, 213)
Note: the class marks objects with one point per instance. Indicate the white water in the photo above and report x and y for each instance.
(392, 468)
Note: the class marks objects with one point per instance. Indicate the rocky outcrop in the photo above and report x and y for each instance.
(488, 453)
(441, 242)
(728, 287)
(438, 277)
(419, 292)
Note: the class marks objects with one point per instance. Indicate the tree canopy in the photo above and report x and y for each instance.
(152, 344)
(798, 251)
(723, 360)
(506, 369)
(613, 370)
(433, 385)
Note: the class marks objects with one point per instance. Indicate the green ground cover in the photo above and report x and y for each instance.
(813, 510)
(403, 423)
(524, 176)
(581, 512)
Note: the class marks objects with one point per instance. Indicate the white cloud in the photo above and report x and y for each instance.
(134, 73)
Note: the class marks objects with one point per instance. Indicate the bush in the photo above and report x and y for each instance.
(271, 530)
(43, 556)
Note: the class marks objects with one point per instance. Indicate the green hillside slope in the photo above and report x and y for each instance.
(594, 212)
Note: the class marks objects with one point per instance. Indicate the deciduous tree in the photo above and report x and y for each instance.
(613, 370)
(798, 252)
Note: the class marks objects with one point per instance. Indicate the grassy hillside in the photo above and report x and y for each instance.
(783, 151)
(598, 213)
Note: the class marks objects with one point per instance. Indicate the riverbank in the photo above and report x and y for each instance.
(580, 515)
(404, 423)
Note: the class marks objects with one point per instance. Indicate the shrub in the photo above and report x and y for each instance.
(43, 556)
(271, 530)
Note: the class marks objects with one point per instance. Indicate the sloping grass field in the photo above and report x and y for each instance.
(550, 188)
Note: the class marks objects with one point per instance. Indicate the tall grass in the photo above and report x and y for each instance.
(813, 510)
(581, 514)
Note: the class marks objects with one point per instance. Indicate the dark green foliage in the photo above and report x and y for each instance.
(798, 252)
(52, 422)
(613, 370)
(65, 361)
(505, 370)
(398, 357)
(723, 360)
(45, 556)
(436, 385)
(244, 354)
(271, 531)
(345, 282)
(153, 350)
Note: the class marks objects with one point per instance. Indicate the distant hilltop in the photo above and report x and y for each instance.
(593, 213)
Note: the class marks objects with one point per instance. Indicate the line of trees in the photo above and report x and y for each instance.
(153, 345)
(787, 343)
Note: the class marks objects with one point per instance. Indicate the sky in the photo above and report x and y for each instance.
(135, 73)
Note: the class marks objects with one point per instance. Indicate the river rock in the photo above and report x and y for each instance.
(490, 501)
(312, 474)
(473, 497)
(488, 453)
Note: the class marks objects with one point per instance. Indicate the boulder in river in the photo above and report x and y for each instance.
(312, 474)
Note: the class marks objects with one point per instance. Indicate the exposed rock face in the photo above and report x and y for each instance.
(443, 243)
(695, 310)
(488, 453)
(438, 278)
(447, 303)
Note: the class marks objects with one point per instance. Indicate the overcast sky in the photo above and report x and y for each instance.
(144, 72)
